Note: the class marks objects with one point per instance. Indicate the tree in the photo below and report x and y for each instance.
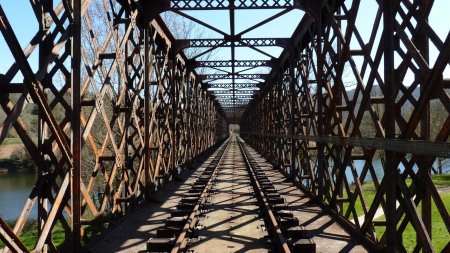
(438, 115)
(186, 29)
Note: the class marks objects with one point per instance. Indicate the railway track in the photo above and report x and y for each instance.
(232, 206)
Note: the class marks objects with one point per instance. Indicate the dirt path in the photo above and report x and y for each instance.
(444, 190)
(7, 150)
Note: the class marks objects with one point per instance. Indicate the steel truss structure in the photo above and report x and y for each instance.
(121, 110)
(328, 137)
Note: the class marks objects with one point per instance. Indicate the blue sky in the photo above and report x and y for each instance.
(24, 23)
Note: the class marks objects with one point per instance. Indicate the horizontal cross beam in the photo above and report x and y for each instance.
(228, 41)
(228, 96)
(233, 105)
(236, 85)
(189, 5)
(226, 92)
(234, 101)
(242, 63)
(234, 98)
(230, 76)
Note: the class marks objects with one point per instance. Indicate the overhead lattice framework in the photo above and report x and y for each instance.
(224, 77)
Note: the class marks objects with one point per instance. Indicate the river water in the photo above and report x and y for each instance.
(14, 191)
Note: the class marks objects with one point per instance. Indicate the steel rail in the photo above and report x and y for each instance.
(271, 220)
(181, 241)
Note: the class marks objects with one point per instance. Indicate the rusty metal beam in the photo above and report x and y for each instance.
(236, 63)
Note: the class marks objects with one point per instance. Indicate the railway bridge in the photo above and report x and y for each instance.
(339, 110)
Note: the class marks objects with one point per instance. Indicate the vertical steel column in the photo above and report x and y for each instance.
(45, 48)
(128, 163)
(278, 141)
(339, 100)
(422, 44)
(187, 108)
(319, 112)
(146, 109)
(390, 174)
(292, 115)
(173, 119)
(76, 126)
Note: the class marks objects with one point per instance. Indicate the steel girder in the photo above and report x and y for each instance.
(249, 63)
(236, 86)
(143, 112)
(238, 42)
(230, 39)
(231, 76)
(227, 92)
(342, 103)
(233, 39)
(226, 4)
(118, 110)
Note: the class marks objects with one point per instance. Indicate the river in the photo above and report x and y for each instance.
(14, 191)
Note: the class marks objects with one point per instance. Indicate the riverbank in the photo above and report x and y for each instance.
(30, 234)
(15, 158)
(11, 166)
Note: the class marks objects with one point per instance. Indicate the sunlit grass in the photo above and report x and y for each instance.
(15, 140)
(30, 235)
(369, 191)
(438, 180)
(439, 233)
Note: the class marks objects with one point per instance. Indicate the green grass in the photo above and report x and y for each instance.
(29, 235)
(439, 180)
(15, 140)
(439, 232)
(8, 141)
(369, 191)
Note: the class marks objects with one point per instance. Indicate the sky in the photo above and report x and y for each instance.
(24, 23)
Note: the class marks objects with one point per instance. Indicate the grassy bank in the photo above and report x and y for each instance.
(369, 191)
(439, 231)
(9, 141)
(15, 140)
(29, 235)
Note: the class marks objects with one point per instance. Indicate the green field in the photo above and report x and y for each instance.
(29, 235)
(8, 141)
(439, 232)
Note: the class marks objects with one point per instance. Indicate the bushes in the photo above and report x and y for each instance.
(21, 160)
